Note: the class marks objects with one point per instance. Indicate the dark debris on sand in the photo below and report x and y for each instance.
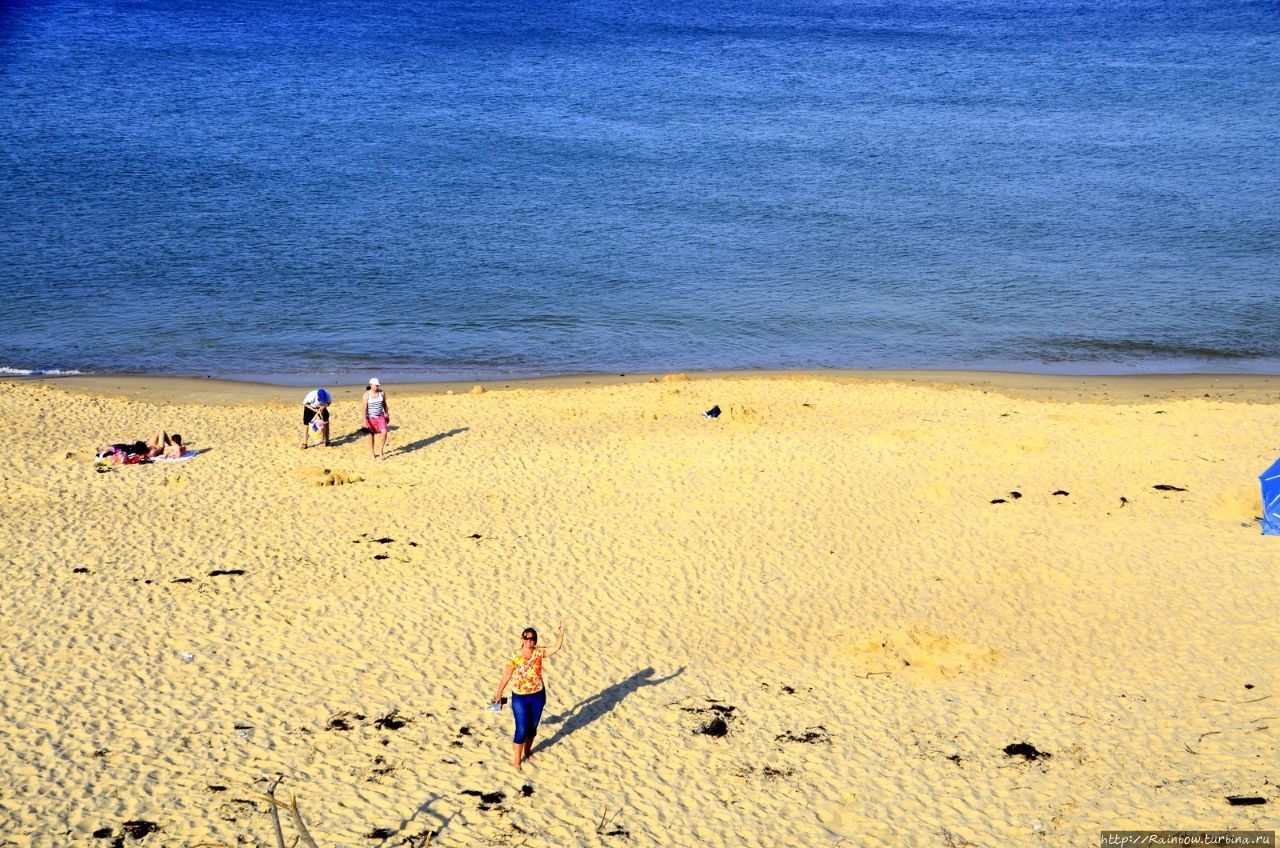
(488, 800)
(139, 828)
(342, 721)
(391, 721)
(811, 736)
(1025, 750)
(715, 707)
(716, 728)
(717, 725)
(606, 827)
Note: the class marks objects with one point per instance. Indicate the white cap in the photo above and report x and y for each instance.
(373, 381)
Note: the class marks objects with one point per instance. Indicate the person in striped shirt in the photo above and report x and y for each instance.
(377, 416)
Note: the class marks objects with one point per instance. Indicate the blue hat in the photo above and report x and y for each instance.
(322, 396)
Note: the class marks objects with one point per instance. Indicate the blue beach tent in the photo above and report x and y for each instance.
(1271, 500)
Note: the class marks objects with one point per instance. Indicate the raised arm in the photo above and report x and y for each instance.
(559, 639)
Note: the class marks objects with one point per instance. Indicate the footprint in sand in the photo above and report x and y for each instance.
(1239, 504)
(843, 823)
(328, 476)
(918, 654)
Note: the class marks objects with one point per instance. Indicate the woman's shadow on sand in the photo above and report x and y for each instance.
(427, 442)
(602, 703)
(361, 433)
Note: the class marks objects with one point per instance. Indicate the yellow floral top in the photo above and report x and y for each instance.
(526, 678)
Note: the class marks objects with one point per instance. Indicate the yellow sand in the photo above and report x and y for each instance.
(824, 558)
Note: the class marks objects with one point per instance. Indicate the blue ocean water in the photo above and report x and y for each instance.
(485, 189)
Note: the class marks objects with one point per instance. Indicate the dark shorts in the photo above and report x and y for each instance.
(308, 413)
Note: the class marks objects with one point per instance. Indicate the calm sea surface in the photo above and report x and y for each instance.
(480, 189)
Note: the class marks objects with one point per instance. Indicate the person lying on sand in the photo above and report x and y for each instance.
(160, 444)
(528, 695)
(164, 445)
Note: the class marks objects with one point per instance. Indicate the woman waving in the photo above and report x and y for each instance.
(528, 696)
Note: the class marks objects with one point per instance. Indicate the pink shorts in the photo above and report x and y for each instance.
(377, 425)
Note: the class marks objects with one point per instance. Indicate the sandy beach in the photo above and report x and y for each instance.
(875, 583)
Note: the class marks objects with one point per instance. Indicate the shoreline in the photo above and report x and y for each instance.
(167, 389)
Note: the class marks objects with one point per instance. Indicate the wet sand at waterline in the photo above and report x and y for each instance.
(868, 585)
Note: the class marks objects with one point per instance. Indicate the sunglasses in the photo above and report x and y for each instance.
(528, 638)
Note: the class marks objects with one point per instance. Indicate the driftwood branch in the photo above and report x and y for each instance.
(606, 819)
(297, 821)
(275, 810)
(292, 807)
(1221, 701)
(953, 841)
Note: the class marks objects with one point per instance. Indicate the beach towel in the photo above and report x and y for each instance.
(115, 456)
(187, 454)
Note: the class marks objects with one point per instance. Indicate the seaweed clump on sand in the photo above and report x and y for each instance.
(1027, 751)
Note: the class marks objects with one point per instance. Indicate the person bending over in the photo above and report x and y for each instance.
(315, 417)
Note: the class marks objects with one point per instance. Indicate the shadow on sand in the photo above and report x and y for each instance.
(424, 810)
(602, 703)
(427, 442)
(353, 436)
